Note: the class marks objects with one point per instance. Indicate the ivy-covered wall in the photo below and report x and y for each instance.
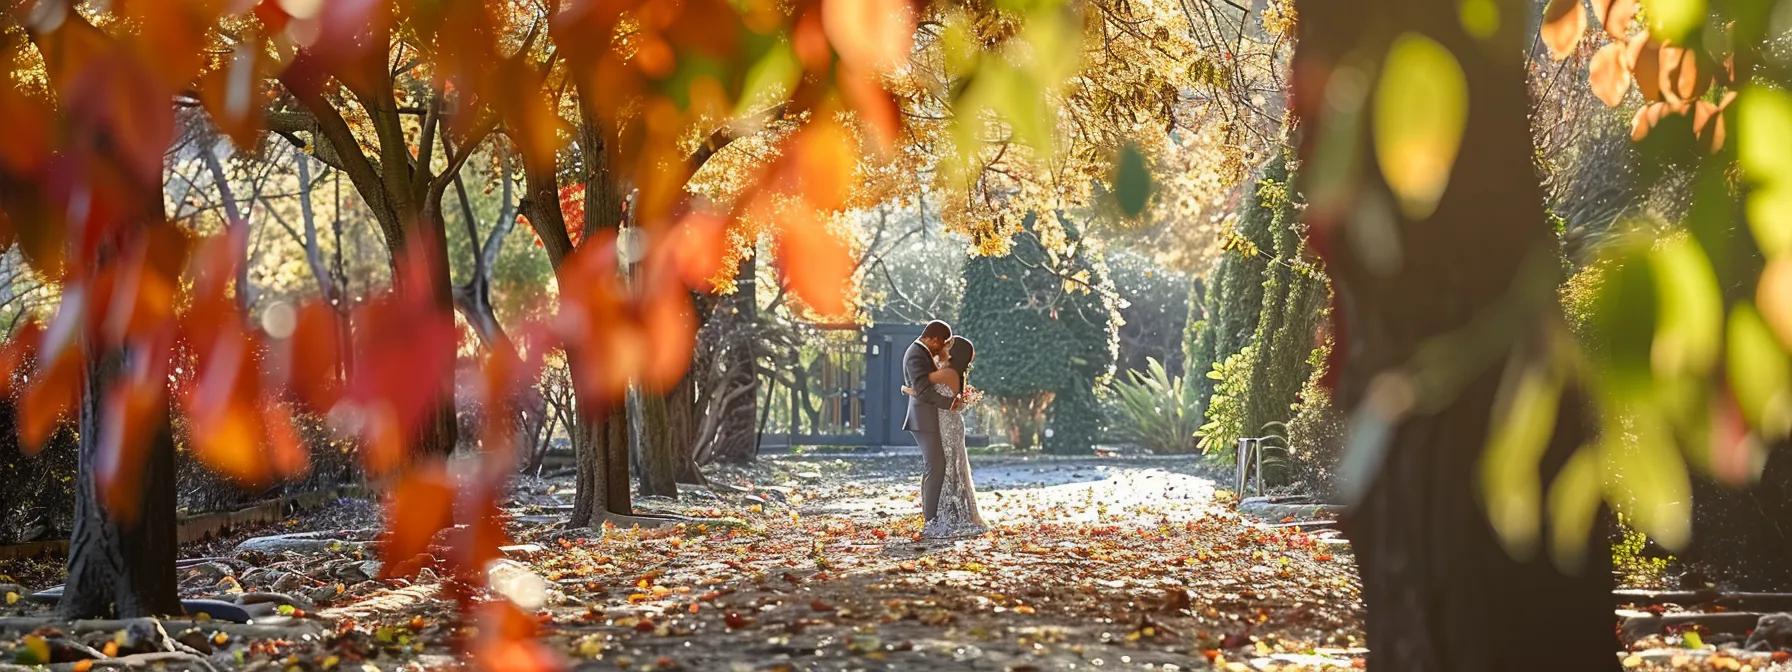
(1044, 324)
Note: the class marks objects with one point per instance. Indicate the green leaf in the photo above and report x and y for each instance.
(1421, 109)
(1480, 18)
(770, 80)
(1524, 421)
(1623, 311)
(1674, 20)
(1573, 506)
(1759, 374)
(1647, 476)
(1689, 320)
(1763, 132)
(1693, 640)
(1132, 181)
(1770, 217)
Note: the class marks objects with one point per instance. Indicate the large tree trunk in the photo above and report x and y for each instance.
(1441, 591)
(119, 569)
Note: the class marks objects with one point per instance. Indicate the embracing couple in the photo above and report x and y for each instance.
(934, 369)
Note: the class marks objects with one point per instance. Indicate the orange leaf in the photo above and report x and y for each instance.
(286, 449)
(421, 505)
(870, 35)
(1608, 76)
(1645, 120)
(817, 264)
(1564, 22)
(1708, 125)
(507, 643)
(1682, 78)
(54, 389)
(825, 162)
(1615, 16)
(877, 109)
(670, 324)
(1643, 57)
(697, 246)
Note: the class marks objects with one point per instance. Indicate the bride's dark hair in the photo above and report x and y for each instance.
(959, 353)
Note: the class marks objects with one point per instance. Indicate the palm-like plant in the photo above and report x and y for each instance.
(1161, 412)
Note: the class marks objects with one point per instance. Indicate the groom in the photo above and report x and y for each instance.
(924, 421)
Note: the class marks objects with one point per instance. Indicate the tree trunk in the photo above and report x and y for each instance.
(658, 455)
(438, 433)
(117, 569)
(736, 440)
(1441, 591)
(681, 427)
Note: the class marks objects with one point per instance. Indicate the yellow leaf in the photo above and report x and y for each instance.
(1421, 109)
(36, 650)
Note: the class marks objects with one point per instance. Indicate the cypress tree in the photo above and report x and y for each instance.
(1234, 302)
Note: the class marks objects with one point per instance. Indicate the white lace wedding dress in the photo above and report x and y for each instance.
(956, 515)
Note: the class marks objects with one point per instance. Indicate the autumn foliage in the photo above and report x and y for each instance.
(82, 184)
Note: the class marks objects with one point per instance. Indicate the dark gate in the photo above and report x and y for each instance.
(851, 394)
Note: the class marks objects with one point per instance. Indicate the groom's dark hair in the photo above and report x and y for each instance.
(937, 329)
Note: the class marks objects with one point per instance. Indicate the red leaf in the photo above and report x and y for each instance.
(134, 410)
(696, 246)
(54, 390)
(313, 356)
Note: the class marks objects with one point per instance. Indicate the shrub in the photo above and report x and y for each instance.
(1225, 409)
(1316, 434)
(1046, 328)
(1157, 410)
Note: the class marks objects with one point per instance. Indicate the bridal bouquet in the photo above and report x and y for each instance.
(971, 396)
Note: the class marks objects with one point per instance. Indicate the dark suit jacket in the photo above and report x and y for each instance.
(923, 410)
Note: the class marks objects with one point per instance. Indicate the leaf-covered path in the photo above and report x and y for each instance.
(810, 563)
(1094, 563)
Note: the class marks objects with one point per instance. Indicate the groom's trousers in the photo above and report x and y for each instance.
(933, 456)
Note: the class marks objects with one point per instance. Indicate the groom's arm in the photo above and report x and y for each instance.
(915, 366)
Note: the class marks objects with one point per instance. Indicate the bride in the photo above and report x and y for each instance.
(957, 514)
